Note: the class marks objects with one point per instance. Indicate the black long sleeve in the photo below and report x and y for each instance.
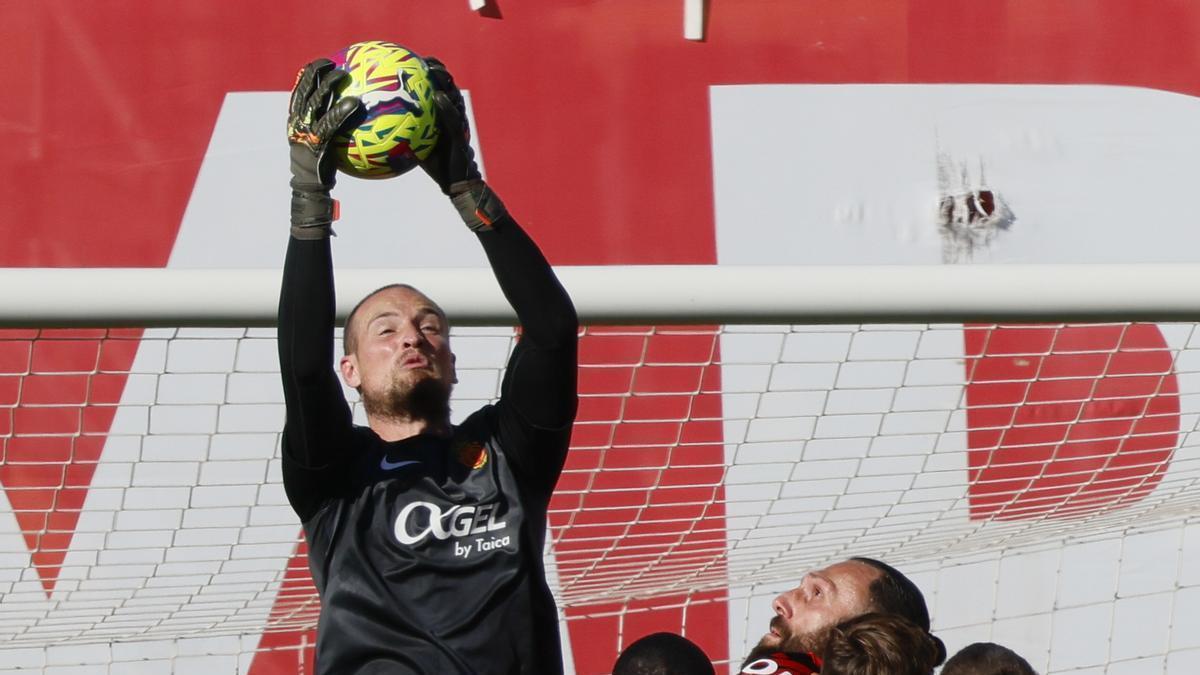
(318, 417)
(538, 398)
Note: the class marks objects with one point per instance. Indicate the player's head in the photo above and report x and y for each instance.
(663, 654)
(397, 354)
(894, 593)
(805, 615)
(880, 644)
(987, 658)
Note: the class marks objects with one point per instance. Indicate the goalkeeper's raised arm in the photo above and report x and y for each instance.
(318, 417)
(425, 537)
(539, 394)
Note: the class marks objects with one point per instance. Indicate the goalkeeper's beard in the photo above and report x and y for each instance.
(425, 398)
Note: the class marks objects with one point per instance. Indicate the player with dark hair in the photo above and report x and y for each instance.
(805, 615)
(987, 658)
(425, 538)
(880, 644)
(893, 593)
(663, 654)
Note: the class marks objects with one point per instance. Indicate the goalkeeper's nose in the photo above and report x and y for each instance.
(411, 337)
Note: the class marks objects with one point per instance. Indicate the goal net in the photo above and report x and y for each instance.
(1038, 481)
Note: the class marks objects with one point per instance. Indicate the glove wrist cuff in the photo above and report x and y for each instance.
(312, 210)
(478, 206)
(311, 232)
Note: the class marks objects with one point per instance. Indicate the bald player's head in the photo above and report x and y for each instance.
(351, 329)
(397, 344)
(663, 654)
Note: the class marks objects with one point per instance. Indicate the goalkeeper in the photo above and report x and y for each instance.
(425, 539)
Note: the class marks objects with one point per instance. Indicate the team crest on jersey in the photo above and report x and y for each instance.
(472, 454)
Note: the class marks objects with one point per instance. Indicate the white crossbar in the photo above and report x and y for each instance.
(692, 294)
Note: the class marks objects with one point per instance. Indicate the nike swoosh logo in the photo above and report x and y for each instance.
(388, 466)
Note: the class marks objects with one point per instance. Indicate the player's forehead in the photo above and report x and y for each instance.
(847, 574)
(397, 301)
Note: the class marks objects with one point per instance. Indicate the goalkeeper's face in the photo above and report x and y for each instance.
(826, 597)
(401, 361)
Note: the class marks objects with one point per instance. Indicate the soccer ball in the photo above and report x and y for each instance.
(399, 128)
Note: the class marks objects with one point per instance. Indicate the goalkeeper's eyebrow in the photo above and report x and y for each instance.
(420, 314)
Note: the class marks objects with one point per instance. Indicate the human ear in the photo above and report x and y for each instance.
(348, 365)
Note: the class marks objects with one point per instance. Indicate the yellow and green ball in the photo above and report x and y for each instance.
(399, 127)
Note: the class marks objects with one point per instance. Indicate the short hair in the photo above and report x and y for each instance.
(880, 644)
(663, 654)
(894, 593)
(987, 658)
(350, 335)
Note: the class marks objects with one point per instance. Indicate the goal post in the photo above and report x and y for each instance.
(1038, 477)
(631, 294)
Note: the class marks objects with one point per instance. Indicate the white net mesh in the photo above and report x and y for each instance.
(1033, 478)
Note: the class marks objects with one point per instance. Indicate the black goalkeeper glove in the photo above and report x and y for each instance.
(452, 163)
(312, 124)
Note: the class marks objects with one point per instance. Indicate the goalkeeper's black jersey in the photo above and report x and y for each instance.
(427, 552)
